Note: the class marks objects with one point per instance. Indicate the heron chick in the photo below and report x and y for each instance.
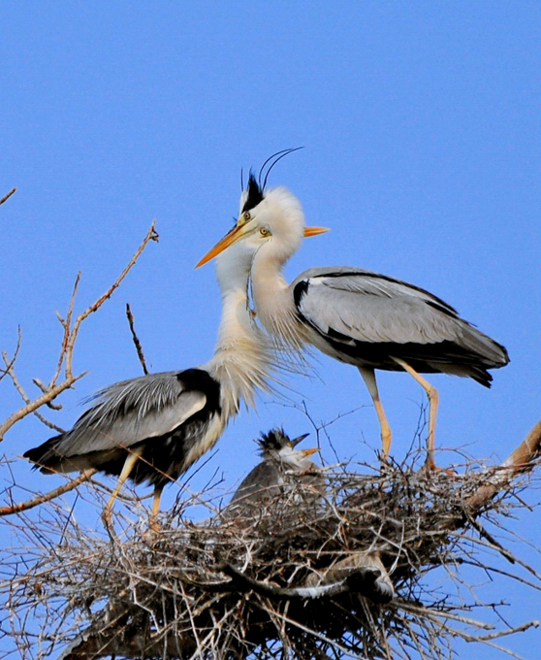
(153, 428)
(359, 317)
(284, 469)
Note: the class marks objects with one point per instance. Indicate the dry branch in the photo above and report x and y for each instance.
(233, 588)
(47, 497)
(68, 342)
(135, 339)
(8, 195)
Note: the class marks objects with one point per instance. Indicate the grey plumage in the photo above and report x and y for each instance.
(147, 413)
(283, 470)
(363, 318)
(152, 428)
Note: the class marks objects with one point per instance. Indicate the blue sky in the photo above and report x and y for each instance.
(421, 128)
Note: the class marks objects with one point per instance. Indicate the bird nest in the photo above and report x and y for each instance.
(295, 579)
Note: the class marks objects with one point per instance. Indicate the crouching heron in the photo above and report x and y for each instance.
(284, 469)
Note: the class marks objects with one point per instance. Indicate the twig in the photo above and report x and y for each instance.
(25, 397)
(10, 363)
(135, 338)
(151, 235)
(68, 343)
(47, 497)
(8, 195)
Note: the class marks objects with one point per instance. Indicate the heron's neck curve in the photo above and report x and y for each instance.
(243, 357)
(273, 298)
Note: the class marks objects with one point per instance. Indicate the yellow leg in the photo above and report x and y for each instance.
(129, 463)
(155, 508)
(156, 501)
(370, 380)
(432, 394)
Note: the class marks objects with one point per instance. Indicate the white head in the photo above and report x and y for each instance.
(267, 217)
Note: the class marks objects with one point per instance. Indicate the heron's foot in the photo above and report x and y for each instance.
(108, 523)
(430, 469)
(153, 524)
(386, 466)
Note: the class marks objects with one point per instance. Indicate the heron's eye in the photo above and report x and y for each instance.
(246, 216)
(264, 231)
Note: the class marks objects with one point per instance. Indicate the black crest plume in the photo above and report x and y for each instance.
(277, 439)
(255, 194)
(256, 187)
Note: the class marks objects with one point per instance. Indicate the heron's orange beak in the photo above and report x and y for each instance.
(309, 452)
(238, 231)
(231, 237)
(314, 231)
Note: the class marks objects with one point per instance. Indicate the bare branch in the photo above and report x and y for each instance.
(37, 403)
(10, 363)
(8, 195)
(68, 341)
(26, 398)
(136, 341)
(152, 235)
(66, 324)
(520, 460)
(47, 497)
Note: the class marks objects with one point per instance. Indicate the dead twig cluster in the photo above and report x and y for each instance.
(71, 329)
(276, 584)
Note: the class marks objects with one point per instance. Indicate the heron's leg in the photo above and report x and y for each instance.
(155, 508)
(432, 394)
(129, 463)
(370, 379)
(156, 500)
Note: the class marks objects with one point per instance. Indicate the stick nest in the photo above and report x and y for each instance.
(235, 586)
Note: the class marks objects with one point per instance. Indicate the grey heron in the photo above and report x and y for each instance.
(153, 428)
(283, 469)
(359, 317)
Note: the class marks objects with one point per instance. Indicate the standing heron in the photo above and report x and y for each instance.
(369, 320)
(282, 469)
(152, 428)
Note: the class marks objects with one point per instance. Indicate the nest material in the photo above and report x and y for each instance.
(273, 585)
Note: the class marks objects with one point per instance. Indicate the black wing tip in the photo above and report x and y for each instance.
(44, 456)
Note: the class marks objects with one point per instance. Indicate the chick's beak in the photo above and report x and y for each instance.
(309, 452)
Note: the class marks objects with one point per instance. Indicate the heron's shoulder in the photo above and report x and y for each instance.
(152, 392)
(361, 281)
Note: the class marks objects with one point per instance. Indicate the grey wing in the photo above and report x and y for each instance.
(368, 307)
(128, 412)
(262, 482)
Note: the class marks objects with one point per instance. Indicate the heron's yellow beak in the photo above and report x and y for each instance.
(232, 236)
(238, 231)
(309, 452)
